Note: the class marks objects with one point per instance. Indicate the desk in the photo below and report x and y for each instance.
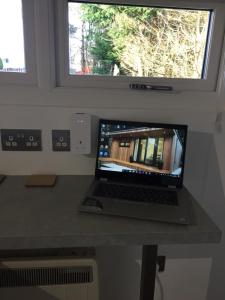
(47, 218)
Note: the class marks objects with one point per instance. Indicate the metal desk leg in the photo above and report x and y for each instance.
(148, 272)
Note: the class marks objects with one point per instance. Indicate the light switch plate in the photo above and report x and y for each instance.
(60, 140)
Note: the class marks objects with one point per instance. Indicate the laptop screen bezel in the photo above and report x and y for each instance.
(153, 179)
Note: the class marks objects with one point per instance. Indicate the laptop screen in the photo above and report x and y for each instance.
(141, 152)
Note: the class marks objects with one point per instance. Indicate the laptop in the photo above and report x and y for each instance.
(139, 172)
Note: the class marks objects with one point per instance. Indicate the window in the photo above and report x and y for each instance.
(17, 59)
(11, 34)
(112, 45)
(137, 41)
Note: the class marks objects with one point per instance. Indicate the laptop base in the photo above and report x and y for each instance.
(140, 210)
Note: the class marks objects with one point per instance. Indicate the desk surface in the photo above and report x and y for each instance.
(35, 218)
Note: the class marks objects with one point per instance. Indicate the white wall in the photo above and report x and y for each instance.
(31, 108)
(50, 108)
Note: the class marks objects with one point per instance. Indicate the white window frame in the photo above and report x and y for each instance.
(30, 77)
(214, 51)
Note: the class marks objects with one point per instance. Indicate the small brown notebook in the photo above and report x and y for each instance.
(40, 180)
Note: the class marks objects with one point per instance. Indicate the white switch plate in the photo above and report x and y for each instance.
(83, 133)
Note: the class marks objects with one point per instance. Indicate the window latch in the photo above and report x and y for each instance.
(137, 86)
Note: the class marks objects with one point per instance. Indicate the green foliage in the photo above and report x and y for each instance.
(99, 17)
(106, 38)
(1, 64)
(102, 49)
(144, 41)
(103, 69)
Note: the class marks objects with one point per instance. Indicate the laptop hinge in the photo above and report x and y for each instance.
(103, 179)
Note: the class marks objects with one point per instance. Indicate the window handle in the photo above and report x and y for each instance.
(137, 86)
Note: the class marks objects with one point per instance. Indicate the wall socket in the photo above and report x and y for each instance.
(21, 140)
(60, 140)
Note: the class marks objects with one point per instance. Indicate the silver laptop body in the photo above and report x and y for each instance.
(139, 172)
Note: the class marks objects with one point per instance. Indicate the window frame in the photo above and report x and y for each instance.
(30, 76)
(212, 58)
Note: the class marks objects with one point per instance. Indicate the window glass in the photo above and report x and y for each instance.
(160, 148)
(11, 37)
(150, 149)
(138, 41)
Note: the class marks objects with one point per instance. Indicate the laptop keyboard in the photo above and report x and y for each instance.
(138, 194)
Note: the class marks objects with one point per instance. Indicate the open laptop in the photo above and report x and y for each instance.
(139, 172)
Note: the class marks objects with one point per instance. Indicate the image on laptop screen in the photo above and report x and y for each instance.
(142, 148)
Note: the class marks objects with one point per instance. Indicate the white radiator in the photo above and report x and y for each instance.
(49, 279)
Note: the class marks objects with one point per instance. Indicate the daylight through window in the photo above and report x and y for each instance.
(122, 40)
(11, 37)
